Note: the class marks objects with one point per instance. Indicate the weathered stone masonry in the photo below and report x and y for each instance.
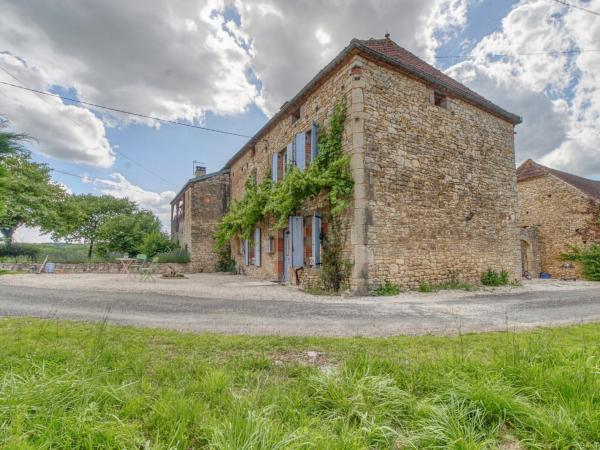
(433, 167)
(195, 213)
(563, 208)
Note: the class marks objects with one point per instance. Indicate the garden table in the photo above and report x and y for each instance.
(125, 263)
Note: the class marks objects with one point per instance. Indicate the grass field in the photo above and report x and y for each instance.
(69, 385)
(57, 253)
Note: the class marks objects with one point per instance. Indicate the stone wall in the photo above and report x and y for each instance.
(530, 251)
(93, 267)
(205, 202)
(561, 213)
(435, 186)
(210, 199)
(440, 182)
(318, 107)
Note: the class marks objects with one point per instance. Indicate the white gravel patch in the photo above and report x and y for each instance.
(226, 286)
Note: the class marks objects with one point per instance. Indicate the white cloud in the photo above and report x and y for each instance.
(558, 95)
(119, 186)
(446, 17)
(62, 131)
(30, 235)
(175, 60)
(283, 58)
(323, 37)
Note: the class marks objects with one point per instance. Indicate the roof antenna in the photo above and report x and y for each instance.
(387, 34)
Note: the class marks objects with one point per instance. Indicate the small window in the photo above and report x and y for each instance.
(440, 100)
(295, 116)
(281, 164)
(271, 245)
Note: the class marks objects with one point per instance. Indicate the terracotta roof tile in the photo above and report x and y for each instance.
(531, 169)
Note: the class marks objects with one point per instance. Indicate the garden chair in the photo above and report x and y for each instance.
(147, 272)
(141, 261)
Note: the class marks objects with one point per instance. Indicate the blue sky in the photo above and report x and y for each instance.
(230, 64)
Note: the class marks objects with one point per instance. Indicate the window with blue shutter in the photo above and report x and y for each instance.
(297, 234)
(274, 167)
(301, 150)
(289, 156)
(257, 247)
(246, 252)
(316, 239)
(314, 148)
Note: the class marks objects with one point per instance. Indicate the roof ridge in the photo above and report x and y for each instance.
(416, 67)
(531, 169)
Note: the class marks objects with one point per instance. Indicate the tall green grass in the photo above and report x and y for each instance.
(69, 385)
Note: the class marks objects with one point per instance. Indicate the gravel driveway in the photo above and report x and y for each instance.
(234, 304)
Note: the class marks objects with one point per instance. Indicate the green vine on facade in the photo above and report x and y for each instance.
(329, 173)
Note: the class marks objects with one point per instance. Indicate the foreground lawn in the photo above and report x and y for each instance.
(66, 385)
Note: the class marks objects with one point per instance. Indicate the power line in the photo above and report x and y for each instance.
(122, 111)
(115, 149)
(95, 179)
(506, 55)
(145, 168)
(570, 5)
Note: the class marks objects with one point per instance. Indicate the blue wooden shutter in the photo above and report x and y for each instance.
(301, 151)
(316, 239)
(274, 167)
(246, 252)
(289, 153)
(257, 247)
(314, 148)
(297, 232)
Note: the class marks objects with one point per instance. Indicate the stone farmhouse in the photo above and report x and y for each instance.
(433, 166)
(557, 210)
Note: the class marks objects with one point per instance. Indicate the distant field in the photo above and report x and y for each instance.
(68, 385)
(58, 253)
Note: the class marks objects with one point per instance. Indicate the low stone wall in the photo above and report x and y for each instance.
(92, 267)
(309, 278)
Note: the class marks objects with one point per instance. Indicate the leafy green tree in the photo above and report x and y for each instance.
(84, 216)
(126, 233)
(156, 242)
(10, 145)
(28, 196)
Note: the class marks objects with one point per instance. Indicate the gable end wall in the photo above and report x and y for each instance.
(561, 214)
(441, 185)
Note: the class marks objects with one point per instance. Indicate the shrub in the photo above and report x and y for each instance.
(425, 287)
(388, 288)
(178, 255)
(226, 262)
(589, 257)
(19, 250)
(335, 269)
(493, 278)
(155, 243)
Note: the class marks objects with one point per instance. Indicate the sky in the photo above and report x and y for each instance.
(230, 64)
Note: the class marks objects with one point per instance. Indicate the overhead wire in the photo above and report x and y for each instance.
(581, 8)
(114, 149)
(122, 111)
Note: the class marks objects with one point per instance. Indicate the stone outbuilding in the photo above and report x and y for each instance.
(562, 210)
(195, 212)
(433, 165)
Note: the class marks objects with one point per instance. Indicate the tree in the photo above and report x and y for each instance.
(157, 242)
(126, 233)
(28, 196)
(84, 215)
(10, 145)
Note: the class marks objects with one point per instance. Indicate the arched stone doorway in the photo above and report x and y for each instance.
(526, 256)
(530, 256)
